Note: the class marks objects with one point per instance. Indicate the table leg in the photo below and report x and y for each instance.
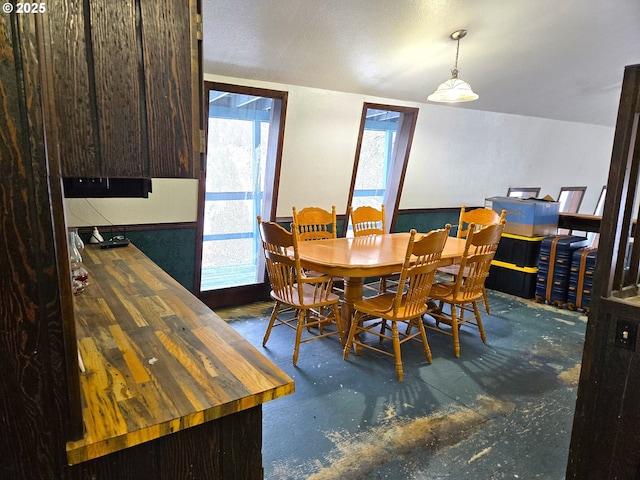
(352, 294)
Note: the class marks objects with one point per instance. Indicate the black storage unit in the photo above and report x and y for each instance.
(583, 264)
(514, 266)
(554, 262)
(512, 279)
(518, 250)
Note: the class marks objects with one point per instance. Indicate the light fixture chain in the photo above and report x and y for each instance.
(454, 72)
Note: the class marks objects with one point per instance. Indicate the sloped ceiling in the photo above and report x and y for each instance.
(556, 59)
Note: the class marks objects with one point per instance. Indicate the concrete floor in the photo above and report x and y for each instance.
(501, 410)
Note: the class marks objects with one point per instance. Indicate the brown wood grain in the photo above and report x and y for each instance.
(77, 129)
(157, 359)
(34, 395)
(169, 76)
(119, 88)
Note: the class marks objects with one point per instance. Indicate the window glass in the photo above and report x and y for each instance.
(239, 170)
(523, 192)
(381, 157)
(570, 199)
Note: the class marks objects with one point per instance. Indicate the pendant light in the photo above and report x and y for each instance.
(454, 90)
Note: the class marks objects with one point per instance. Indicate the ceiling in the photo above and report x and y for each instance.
(555, 59)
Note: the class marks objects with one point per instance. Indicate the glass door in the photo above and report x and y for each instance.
(240, 174)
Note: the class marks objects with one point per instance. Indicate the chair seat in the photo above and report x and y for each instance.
(454, 271)
(381, 306)
(442, 290)
(309, 298)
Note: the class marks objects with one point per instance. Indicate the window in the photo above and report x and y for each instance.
(525, 192)
(570, 199)
(594, 238)
(382, 153)
(244, 133)
(600, 205)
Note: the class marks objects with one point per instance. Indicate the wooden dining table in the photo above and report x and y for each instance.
(357, 258)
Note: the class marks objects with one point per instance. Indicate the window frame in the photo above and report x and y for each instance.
(573, 189)
(534, 190)
(246, 293)
(397, 163)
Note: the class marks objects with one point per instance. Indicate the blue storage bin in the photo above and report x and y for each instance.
(529, 218)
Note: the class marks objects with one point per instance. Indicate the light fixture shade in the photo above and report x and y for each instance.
(453, 90)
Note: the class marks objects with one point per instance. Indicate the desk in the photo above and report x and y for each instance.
(354, 259)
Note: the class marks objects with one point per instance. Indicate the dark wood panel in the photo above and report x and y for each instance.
(578, 221)
(224, 449)
(34, 406)
(615, 430)
(246, 430)
(166, 45)
(236, 295)
(77, 135)
(119, 88)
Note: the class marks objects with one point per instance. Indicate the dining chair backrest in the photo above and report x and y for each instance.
(418, 270)
(479, 250)
(281, 259)
(367, 220)
(286, 276)
(479, 217)
(314, 223)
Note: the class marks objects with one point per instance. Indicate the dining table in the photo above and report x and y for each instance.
(357, 258)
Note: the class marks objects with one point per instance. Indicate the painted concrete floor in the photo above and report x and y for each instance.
(501, 410)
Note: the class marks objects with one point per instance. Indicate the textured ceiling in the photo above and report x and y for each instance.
(556, 59)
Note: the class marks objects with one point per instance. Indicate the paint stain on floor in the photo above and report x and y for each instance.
(356, 454)
(570, 377)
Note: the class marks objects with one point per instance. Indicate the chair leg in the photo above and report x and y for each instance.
(454, 330)
(425, 343)
(485, 299)
(338, 318)
(439, 310)
(302, 317)
(352, 333)
(272, 319)
(396, 350)
(383, 328)
(476, 310)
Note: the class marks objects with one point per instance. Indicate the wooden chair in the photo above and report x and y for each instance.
(314, 223)
(366, 221)
(313, 304)
(463, 293)
(418, 271)
(479, 217)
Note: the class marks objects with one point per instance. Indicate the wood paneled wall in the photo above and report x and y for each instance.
(35, 414)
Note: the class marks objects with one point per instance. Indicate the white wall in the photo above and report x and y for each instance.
(458, 156)
(463, 156)
(171, 201)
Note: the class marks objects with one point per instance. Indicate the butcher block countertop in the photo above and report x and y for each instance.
(157, 360)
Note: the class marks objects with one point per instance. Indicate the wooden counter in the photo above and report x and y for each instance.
(157, 359)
